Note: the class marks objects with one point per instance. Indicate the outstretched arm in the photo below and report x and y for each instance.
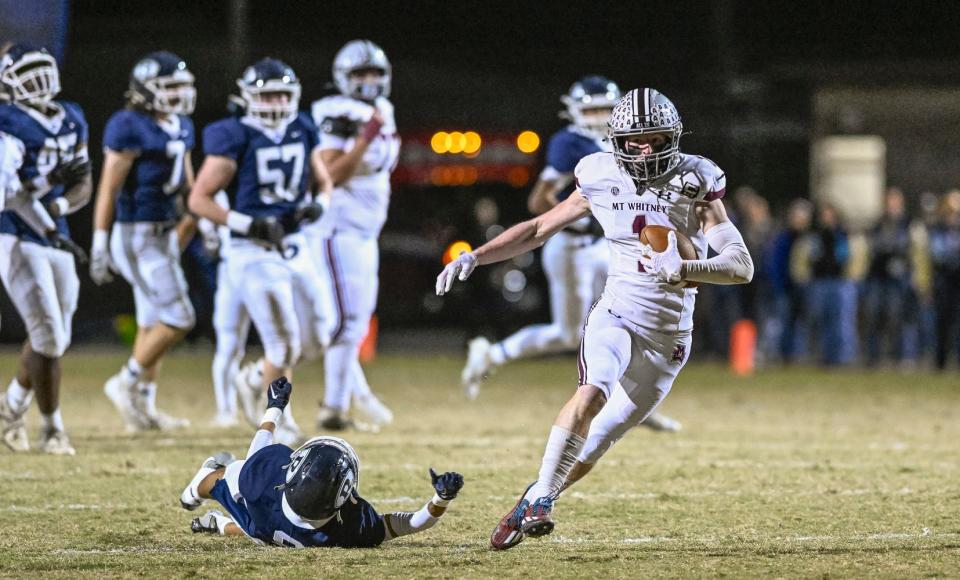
(446, 488)
(732, 264)
(517, 240)
(278, 395)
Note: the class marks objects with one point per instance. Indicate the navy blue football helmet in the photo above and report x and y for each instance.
(589, 103)
(29, 75)
(270, 91)
(323, 474)
(161, 82)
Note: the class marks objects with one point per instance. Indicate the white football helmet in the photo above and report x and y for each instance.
(644, 112)
(358, 55)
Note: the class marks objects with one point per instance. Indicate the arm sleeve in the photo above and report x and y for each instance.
(262, 438)
(731, 265)
(405, 523)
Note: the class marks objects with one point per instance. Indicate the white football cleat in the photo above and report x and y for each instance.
(122, 398)
(288, 435)
(372, 410)
(658, 422)
(190, 497)
(56, 442)
(224, 420)
(14, 429)
(144, 401)
(252, 395)
(477, 367)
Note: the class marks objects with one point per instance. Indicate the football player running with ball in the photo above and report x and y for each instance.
(637, 337)
(146, 168)
(303, 498)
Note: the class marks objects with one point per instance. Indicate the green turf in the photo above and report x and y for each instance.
(787, 474)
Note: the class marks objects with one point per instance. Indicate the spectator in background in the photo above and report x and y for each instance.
(757, 227)
(890, 300)
(929, 211)
(945, 254)
(822, 258)
(785, 332)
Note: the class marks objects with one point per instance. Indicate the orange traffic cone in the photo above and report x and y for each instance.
(743, 347)
(368, 348)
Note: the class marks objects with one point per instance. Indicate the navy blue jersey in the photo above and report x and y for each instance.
(47, 143)
(566, 148)
(271, 177)
(157, 175)
(260, 513)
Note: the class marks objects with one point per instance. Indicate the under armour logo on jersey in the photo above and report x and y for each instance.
(679, 353)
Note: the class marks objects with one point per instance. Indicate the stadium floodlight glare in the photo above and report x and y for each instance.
(473, 142)
(458, 141)
(528, 142)
(441, 142)
(455, 249)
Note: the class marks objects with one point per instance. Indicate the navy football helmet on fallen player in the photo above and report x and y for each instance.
(323, 474)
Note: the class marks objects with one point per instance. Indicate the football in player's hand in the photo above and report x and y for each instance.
(656, 238)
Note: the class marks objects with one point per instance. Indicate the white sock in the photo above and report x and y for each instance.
(288, 420)
(18, 398)
(149, 393)
(130, 373)
(337, 363)
(561, 453)
(53, 421)
(497, 354)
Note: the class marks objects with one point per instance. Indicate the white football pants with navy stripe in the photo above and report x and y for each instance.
(576, 268)
(231, 324)
(148, 257)
(352, 264)
(634, 367)
(42, 283)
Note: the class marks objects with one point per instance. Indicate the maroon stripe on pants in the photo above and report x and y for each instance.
(337, 290)
(581, 355)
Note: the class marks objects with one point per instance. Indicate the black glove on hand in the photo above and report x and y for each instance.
(69, 173)
(67, 245)
(308, 213)
(267, 229)
(278, 393)
(447, 485)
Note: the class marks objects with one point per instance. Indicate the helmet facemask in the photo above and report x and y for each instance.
(645, 112)
(34, 79)
(357, 57)
(174, 94)
(264, 101)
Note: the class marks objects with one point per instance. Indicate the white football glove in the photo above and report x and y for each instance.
(664, 265)
(100, 263)
(461, 268)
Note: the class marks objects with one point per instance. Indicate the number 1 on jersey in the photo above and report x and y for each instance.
(639, 223)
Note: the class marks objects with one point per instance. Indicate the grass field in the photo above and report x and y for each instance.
(795, 473)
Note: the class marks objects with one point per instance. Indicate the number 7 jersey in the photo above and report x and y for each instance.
(623, 211)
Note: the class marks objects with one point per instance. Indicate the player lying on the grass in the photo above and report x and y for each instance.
(637, 337)
(304, 498)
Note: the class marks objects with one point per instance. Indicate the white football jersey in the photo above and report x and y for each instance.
(360, 204)
(623, 212)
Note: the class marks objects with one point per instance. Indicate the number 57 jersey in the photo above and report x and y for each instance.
(623, 211)
(273, 165)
